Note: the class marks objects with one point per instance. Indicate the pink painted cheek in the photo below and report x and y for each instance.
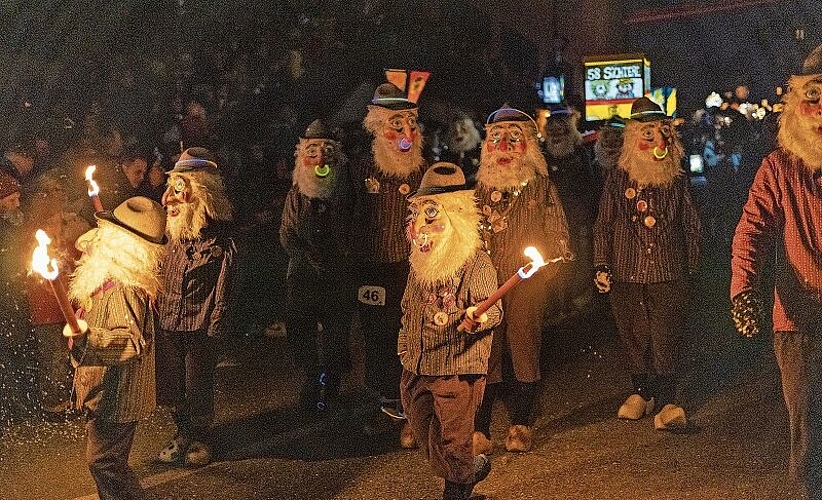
(391, 135)
(519, 147)
(438, 227)
(644, 146)
(809, 109)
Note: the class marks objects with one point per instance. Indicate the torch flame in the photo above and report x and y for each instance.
(40, 261)
(93, 188)
(529, 269)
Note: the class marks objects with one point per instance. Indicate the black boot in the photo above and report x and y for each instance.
(459, 491)
(642, 387)
(454, 491)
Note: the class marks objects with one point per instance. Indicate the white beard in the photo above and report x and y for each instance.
(452, 248)
(312, 186)
(189, 223)
(391, 162)
(119, 256)
(518, 173)
(648, 172)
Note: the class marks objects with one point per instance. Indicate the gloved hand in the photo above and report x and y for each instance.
(602, 278)
(746, 311)
(474, 324)
(70, 334)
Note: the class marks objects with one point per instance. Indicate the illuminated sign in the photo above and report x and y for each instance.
(613, 83)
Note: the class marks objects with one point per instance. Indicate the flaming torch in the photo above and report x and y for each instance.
(93, 188)
(522, 273)
(47, 268)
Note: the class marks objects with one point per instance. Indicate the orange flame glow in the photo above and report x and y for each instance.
(40, 260)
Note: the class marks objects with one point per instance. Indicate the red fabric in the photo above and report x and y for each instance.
(43, 305)
(783, 215)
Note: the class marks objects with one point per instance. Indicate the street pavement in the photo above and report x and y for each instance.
(734, 448)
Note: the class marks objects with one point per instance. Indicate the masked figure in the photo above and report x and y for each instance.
(780, 231)
(116, 283)
(314, 233)
(381, 181)
(646, 243)
(520, 208)
(444, 366)
(199, 273)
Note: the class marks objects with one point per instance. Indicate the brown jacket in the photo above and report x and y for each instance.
(426, 348)
(115, 362)
(637, 253)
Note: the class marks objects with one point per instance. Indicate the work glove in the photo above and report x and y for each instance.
(602, 278)
(68, 333)
(472, 323)
(746, 312)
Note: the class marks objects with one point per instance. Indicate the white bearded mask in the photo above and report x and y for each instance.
(316, 167)
(510, 155)
(444, 235)
(192, 199)
(651, 152)
(800, 124)
(397, 143)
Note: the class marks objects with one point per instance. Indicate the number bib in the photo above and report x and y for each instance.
(371, 295)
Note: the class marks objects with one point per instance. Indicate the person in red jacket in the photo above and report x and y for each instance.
(781, 228)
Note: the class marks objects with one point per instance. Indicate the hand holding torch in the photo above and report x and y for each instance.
(522, 273)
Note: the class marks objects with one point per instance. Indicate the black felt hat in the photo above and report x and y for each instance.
(813, 63)
(318, 130)
(390, 96)
(646, 110)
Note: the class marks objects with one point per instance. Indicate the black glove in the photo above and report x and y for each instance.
(746, 311)
(602, 278)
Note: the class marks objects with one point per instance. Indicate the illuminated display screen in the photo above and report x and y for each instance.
(613, 83)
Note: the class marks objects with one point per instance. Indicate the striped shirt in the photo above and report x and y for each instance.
(380, 211)
(198, 282)
(515, 219)
(115, 376)
(647, 235)
(783, 218)
(426, 348)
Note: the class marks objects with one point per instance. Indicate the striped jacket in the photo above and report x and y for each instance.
(380, 211)
(426, 348)
(646, 235)
(115, 362)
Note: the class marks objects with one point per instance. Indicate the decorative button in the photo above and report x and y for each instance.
(630, 193)
(440, 319)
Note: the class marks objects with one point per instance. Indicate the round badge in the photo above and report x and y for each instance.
(441, 319)
(449, 301)
(630, 193)
(649, 221)
(642, 205)
(404, 189)
(496, 196)
(217, 252)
